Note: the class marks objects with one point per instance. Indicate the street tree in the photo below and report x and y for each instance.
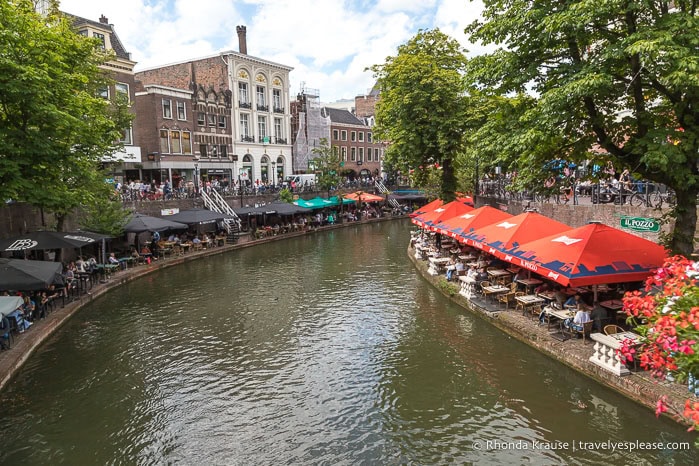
(326, 161)
(54, 125)
(622, 75)
(422, 107)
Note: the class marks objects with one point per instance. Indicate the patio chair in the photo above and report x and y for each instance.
(585, 332)
(519, 305)
(612, 329)
(483, 285)
(507, 298)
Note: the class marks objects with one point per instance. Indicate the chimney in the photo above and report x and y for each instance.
(242, 41)
(104, 20)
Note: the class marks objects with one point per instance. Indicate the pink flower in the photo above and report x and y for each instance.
(661, 406)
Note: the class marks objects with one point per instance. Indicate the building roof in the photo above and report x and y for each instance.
(117, 46)
(342, 116)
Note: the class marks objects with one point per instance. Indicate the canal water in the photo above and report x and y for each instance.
(325, 349)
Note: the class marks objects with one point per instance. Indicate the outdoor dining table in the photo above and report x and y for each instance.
(466, 257)
(547, 295)
(494, 290)
(613, 304)
(560, 314)
(529, 283)
(498, 274)
(528, 301)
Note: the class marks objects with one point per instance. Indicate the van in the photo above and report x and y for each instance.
(301, 181)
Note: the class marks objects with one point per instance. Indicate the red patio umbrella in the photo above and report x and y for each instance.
(429, 207)
(590, 255)
(461, 225)
(432, 220)
(501, 237)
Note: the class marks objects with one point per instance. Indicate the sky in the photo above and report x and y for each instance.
(328, 43)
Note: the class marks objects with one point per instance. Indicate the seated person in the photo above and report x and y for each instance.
(600, 316)
(472, 273)
(451, 267)
(573, 301)
(544, 287)
(112, 259)
(576, 323)
(196, 240)
(559, 296)
(482, 275)
(459, 268)
(145, 250)
(520, 275)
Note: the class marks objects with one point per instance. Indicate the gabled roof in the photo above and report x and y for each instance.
(117, 46)
(342, 116)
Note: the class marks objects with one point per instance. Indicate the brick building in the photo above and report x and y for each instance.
(353, 140)
(224, 116)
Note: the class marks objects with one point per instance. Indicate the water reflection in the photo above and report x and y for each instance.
(325, 349)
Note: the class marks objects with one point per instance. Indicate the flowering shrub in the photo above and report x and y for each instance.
(667, 315)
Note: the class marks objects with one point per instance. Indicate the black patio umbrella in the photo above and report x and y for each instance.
(26, 275)
(140, 223)
(197, 216)
(46, 240)
(284, 208)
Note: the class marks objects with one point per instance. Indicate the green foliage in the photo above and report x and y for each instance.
(423, 106)
(105, 214)
(623, 76)
(327, 165)
(447, 287)
(285, 195)
(54, 126)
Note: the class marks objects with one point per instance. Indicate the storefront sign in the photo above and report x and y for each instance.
(165, 212)
(640, 224)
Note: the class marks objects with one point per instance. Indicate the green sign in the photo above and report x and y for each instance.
(640, 224)
(265, 140)
(342, 164)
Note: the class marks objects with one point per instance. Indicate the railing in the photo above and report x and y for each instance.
(263, 108)
(247, 138)
(278, 109)
(215, 202)
(244, 104)
(384, 190)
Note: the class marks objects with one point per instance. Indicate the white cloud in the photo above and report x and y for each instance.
(329, 43)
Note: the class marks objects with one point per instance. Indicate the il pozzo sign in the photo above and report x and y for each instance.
(640, 224)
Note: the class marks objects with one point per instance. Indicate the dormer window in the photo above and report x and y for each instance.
(99, 36)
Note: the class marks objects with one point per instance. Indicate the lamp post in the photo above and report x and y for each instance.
(196, 175)
(274, 175)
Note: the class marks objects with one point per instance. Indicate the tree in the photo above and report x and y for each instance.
(620, 74)
(422, 107)
(54, 126)
(327, 163)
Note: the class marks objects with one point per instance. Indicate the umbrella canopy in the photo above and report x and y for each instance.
(429, 207)
(8, 304)
(284, 208)
(319, 202)
(140, 223)
(590, 255)
(501, 237)
(361, 196)
(197, 216)
(461, 225)
(46, 240)
(433, 219)
(24, 275)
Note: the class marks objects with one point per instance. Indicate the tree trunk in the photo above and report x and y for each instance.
(682, 236)
(448, 181)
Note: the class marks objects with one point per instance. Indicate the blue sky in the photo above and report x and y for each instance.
(329, 43)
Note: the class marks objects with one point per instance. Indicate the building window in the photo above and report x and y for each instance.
(353, 154)
(261, 101)
(376, 155)
(353, 136)
(343, 135)
(126, 136)
(181, 111)
(212, 119)
(277, 99)
(122, 89)
(167, 108)
(223, 151)
(244, 126)
(344, 154)
(368, 136)
(221, 121)
(336, 135)
(214, 151)
(369, 153)
(361, 136)
(278, 129)
(164, 142)
(186, 142)
(261, 127)
(243, 97)
(201, 119)
(202, 150)
(103, 92)
(361, 154)
(100, 37)
(336, 150)
(175, 142)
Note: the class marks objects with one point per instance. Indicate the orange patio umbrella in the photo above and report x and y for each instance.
(430, 220)
(590, 255)
(461, 225)
(500, 238)
(429, 207)
(361, 196)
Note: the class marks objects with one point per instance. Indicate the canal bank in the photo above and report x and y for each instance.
(639, 386)
(25, 344)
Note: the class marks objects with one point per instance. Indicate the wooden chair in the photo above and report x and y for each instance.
(612, 329)
(507, 298)
(585, 332)
(519, 305)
